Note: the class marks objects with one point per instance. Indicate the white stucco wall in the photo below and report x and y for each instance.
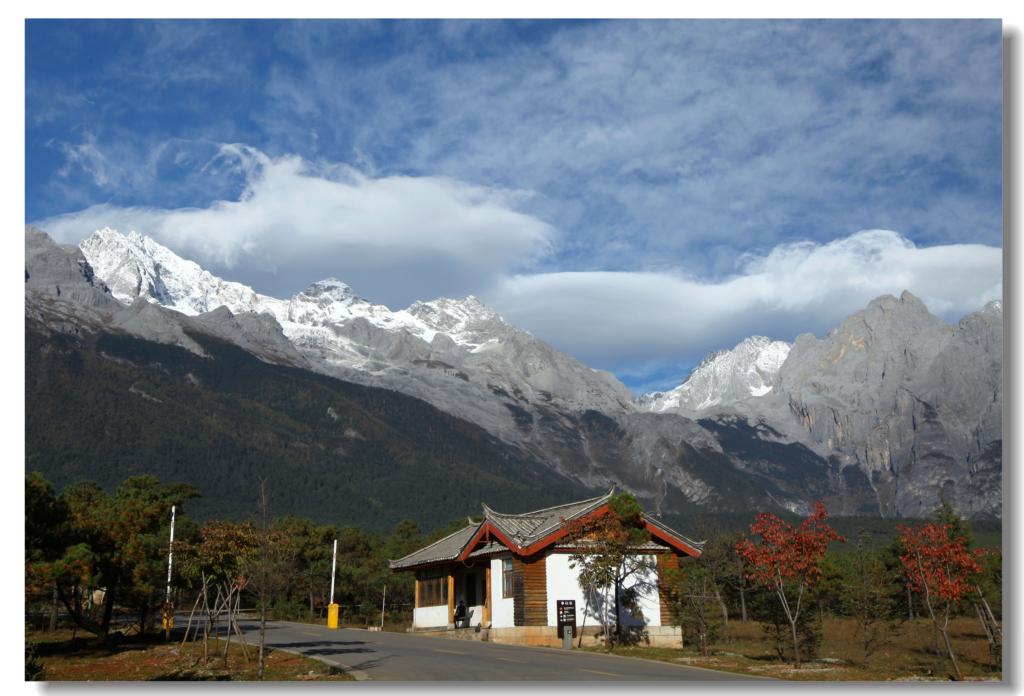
(563, 583)
(476, 614)
(650, 606)
(502, 610)
(430, 617)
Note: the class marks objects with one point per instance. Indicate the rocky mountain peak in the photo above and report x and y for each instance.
(468, 321)
(994, 307)
(750, 369)
(339, 331)
(134, 265)
(906, 304)
(331, 289)
(468, 309)
(881, 416)
(61, 272)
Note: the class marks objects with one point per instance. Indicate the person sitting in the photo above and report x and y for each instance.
(460, 615)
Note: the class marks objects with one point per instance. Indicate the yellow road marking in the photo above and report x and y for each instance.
(453, 652)
(509, 659)
(315, 635)
(607, 674)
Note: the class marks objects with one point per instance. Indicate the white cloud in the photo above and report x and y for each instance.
(655, 148)
(393, 238)
(683, 141)
(396, 239)
(87, 157)
(619, 320)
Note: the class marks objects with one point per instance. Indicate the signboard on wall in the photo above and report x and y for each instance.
(566, 611)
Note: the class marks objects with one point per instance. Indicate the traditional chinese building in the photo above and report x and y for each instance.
(510, 570)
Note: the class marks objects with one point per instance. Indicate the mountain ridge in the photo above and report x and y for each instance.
(764, 435)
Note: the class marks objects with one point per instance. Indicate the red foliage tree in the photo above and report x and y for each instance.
(940, 567)
(787, 559)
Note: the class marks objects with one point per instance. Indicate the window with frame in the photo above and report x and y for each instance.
(508, 585)
(434, 591)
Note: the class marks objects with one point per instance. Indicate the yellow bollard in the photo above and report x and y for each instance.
(332, 615)
(167, 620)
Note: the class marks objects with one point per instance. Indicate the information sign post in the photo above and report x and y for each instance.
(566, 621)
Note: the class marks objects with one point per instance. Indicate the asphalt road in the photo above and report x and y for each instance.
(407, 657)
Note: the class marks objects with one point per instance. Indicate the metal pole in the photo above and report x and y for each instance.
(168, 613)
(334, 563)
(382, 600)
(170, 557)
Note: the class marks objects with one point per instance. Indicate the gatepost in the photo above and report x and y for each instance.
(566, 621)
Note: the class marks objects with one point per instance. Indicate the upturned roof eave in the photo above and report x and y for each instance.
(496, 518)
(402, 564)
(535, 541)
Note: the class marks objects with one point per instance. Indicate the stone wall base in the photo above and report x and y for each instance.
(547, 636)
(474, 633)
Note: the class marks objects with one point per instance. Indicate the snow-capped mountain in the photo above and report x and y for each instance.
(724, 377)
(137, 266)
(881, 416)
(456, 353)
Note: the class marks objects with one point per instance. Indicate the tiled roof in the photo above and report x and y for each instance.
(489, 547)
(529, 527)
(441, 550)
(522, 530)
(652, 546)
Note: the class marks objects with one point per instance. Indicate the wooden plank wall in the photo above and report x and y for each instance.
(530, 606)
(487, 592)
(451, 597)
(518, 605)
(666, 561)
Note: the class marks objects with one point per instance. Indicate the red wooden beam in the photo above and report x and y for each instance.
(490, 529)
(671, 540)
(487, 531)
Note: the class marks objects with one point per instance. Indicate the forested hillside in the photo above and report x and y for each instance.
(107, 406)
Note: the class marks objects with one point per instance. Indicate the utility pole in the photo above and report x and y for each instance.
(168, 614)
(382, 600)
(332, 608)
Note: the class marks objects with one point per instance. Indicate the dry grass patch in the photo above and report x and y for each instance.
(910, 654)
(65, 657)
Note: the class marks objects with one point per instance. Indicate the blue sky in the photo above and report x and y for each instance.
(636, 193)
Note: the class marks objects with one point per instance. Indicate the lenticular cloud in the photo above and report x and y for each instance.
(395, 238)
(612, 320)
